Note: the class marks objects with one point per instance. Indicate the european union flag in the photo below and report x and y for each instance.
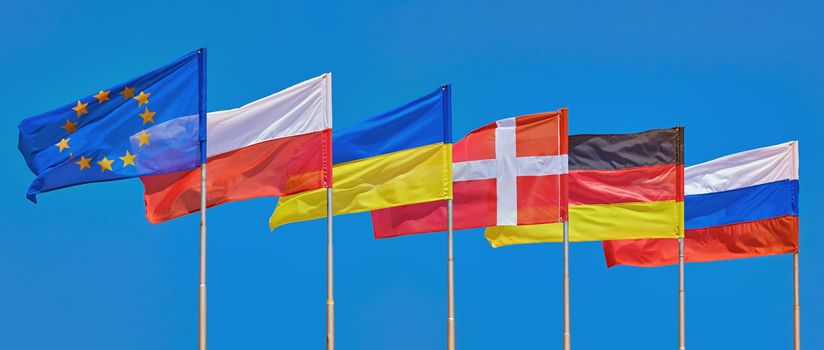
(150, 125)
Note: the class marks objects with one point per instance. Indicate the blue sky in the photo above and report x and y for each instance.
(83, 269)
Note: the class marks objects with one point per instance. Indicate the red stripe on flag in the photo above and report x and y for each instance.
(409, 219)
(749, 239)
(642, 184)
(538, 134)
(543, 202)
(474, 206)
(272, 168)
(479, 144)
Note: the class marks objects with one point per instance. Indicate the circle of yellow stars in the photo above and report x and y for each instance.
(81, 108)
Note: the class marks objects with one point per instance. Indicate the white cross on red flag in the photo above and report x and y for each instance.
(507, 173)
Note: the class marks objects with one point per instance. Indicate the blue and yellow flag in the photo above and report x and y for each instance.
(153, 124)
(400, 157)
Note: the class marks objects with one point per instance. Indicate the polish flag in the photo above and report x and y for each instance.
(278, 145)
(507, 173)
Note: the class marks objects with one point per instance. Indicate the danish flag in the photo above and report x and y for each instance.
(510, 172)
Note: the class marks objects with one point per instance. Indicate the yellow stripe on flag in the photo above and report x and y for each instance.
(636, 220)
(416, 175)
(599, 222)
(499, 236)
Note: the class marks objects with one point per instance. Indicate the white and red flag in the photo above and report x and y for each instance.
(508, 173)
(278, 145)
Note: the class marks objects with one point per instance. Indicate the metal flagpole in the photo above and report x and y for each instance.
(567, 339)
(202, 295)
(330, 277)
(682, 321)
(681, 306)
(330, 272)
(796, 308)
(450, 273)
(202, 115)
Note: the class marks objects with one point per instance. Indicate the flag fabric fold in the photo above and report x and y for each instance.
(737, 206)
(148, 125)
(278, 145)
(397, 158)
(508, 173)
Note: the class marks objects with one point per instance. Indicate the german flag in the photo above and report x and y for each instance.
(621, 186)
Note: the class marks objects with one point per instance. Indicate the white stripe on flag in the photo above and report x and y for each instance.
(298, 110)
(744, 169)
(475, 170)
(506, 182)
(485, 169)
(542, 165)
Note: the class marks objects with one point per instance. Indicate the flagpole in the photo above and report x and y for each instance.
(330, 277)
(450, 273)
(796, 307)
(330, 271)
(202, 119)
(681, 304)
(202, 294)
(567, 338)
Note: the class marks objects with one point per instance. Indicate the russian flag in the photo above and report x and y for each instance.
(738, 206)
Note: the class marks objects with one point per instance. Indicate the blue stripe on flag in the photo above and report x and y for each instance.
(419, 123)
(741, 205)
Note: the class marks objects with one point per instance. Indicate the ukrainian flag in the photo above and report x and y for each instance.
(400, 157)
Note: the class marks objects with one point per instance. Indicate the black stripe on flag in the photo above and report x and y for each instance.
(620, 151)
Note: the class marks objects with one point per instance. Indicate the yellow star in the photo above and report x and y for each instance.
(128, 159)
(102, 96)
(105, 164)
(63, 144)
(84, 163)
(127, 93)
(70, 127)
(80, 108)
(148, 117)
(144, 138)
(142, 99)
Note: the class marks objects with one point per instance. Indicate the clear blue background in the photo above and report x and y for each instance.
(84, 270)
